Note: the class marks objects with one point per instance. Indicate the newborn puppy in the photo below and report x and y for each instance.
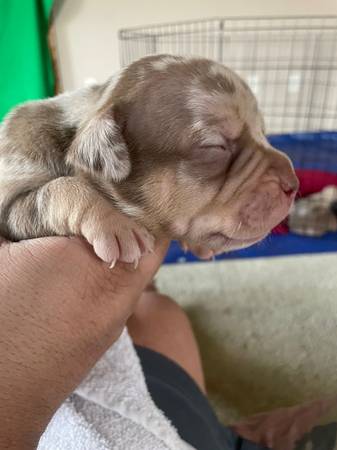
(175, 148)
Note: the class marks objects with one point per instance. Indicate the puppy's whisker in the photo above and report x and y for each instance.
(239, 226)
(235, 230)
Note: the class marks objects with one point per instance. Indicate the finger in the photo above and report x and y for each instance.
(150, 263)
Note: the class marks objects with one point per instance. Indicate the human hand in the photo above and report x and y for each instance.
(60, 310)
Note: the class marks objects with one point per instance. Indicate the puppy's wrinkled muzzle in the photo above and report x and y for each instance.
(256, 207)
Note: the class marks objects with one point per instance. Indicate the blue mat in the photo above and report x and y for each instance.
(311, 151)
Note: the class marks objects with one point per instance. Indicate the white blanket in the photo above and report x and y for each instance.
(112, 409)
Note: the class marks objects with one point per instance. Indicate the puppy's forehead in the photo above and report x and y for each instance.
(163, 62)
(205, 79)
(221, 99)
(166, 71)
(202, 93)
(211, 75)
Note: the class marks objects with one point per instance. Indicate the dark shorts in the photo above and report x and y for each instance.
(178, 396)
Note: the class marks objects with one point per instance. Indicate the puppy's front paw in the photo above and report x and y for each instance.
(119, 238)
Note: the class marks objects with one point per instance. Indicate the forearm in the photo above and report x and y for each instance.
(72, 206)
(53, 331)
(42, 326)
(55, 208)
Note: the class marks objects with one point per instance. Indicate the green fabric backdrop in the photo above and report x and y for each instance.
(25, 64)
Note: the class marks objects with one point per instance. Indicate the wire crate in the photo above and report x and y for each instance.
(290, 63)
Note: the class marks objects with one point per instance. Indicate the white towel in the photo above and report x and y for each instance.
(112, 409)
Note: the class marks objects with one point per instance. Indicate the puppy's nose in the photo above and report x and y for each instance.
(285, 172)
(290, 184)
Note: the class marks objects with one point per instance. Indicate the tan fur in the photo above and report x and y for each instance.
(176, 147)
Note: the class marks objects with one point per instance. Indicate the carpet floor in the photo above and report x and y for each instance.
(267, 328)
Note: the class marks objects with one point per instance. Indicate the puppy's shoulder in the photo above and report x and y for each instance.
(37, 130)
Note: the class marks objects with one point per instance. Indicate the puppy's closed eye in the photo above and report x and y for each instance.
(210, 161)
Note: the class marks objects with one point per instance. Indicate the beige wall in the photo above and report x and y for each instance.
(87, 29)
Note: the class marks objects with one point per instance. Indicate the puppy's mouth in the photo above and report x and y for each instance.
(217, 243)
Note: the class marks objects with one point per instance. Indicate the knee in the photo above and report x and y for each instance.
(160, 307)
(170, 308)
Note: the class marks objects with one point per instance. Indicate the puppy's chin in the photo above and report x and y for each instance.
(217, 244)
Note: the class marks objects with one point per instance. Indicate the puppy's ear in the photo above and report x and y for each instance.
(99, 148)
